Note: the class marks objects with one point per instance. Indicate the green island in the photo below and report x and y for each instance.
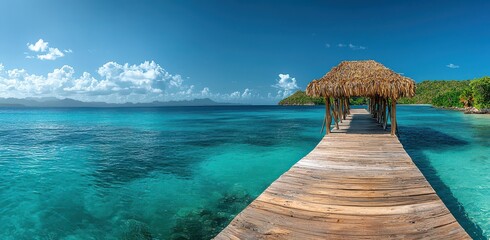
(472, 96)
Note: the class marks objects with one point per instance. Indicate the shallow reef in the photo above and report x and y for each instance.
(207, 222)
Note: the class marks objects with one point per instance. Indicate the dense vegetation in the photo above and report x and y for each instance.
(481, 92)
(438, 93)
(468, 93)
(300, 98)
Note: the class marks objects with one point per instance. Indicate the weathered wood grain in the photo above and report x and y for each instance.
(358, 183)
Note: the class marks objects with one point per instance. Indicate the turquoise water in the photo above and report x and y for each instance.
(452, 150)
(184, 173)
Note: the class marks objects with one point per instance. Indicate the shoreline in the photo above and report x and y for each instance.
(471, 110)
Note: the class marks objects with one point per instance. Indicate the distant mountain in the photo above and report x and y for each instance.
(68, 102)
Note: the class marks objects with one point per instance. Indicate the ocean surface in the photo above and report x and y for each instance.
(184, 173)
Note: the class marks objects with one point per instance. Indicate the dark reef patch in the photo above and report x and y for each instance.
(207, 222)
(135, 230)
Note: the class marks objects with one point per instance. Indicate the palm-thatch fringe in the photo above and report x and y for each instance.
(362, 78)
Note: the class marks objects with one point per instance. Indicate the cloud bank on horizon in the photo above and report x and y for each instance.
(119, 83)
(114, 83)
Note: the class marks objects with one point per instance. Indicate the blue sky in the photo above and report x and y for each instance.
(231, 51)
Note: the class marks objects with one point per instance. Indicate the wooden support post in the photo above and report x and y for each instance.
(372, 106)
(369, 105)
(339, 108)
(336, 112)
(389, 110)
(339, 117)
(380, 108)
(393, 117)
(346, 102)
(329, 117)
(375, 107)
(342, 107)
(324, 117)
(341, 112)
(348, 106)
(385, 120)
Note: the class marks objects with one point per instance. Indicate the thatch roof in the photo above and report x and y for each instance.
(362, 78)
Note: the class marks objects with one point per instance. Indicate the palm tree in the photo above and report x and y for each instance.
(466, 97)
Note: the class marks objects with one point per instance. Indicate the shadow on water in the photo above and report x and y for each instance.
(417, 139)
(482, 135)
(270, 132)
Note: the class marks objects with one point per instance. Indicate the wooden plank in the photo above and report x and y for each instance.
(358, 183)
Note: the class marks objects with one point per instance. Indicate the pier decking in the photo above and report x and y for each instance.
(358, 183)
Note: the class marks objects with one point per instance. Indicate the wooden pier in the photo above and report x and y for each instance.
(358, 183)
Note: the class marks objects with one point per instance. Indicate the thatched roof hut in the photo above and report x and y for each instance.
(362, 78)
(365, 79)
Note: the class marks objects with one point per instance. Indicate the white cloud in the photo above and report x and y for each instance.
(351, 46)
(88, 85)
(453, 66)
(245, 96)
(188, 91)
(286, 85)
(39, 46)
(116, 82)
(235, 95)
(246, 93)
(176, 81)
(113, 82)
(45, 52)
(52, 54)
(17, 82)
(205, 92)
(327, 45)
(143, 75)
(355, 47)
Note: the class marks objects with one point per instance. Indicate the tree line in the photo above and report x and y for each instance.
(468, 93)
(441, 93)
